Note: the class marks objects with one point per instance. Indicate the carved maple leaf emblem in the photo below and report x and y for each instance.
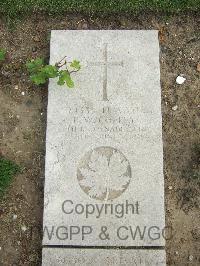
(105, 176)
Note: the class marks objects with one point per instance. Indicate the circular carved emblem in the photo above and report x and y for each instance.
(104, 173)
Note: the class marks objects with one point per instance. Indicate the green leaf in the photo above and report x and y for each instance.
(75, 64)
(40, 72)
(64, 77)
(61, 81)
(2, 54)
(35, 64)
(69, 82)
(39, 78)
(50, 71)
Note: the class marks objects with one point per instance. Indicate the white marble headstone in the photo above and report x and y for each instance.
(104, 161)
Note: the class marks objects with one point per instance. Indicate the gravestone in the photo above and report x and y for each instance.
(104, 187)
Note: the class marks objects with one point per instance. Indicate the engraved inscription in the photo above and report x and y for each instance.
(85, 121)
(105, 63)
(104, 173)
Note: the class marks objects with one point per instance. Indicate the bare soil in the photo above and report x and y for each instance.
(23, 123)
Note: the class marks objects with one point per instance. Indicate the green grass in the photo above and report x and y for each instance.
(7, 170)
(15, 7)
(2, 55)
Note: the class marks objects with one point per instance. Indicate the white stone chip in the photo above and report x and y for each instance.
(14, 216)
(175, 107)
(24, 228)
(180, 80)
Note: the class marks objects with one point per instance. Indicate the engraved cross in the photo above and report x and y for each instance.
(105, 63)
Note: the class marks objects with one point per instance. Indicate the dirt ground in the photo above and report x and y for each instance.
(23, 123)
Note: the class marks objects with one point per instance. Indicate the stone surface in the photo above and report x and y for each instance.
(108, 257)
(104, 159)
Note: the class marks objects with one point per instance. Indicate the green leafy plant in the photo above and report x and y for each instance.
(7, 170)
(41, 72)
(2, 54)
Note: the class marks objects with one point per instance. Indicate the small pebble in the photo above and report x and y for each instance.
(23, 93)
(41, 113)
(16, 87)
(180, 80)
(23, 228)
(190, 258)
(14, 216)
(170, 187)
(0, 248)
(174, 108)
(176, 252)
